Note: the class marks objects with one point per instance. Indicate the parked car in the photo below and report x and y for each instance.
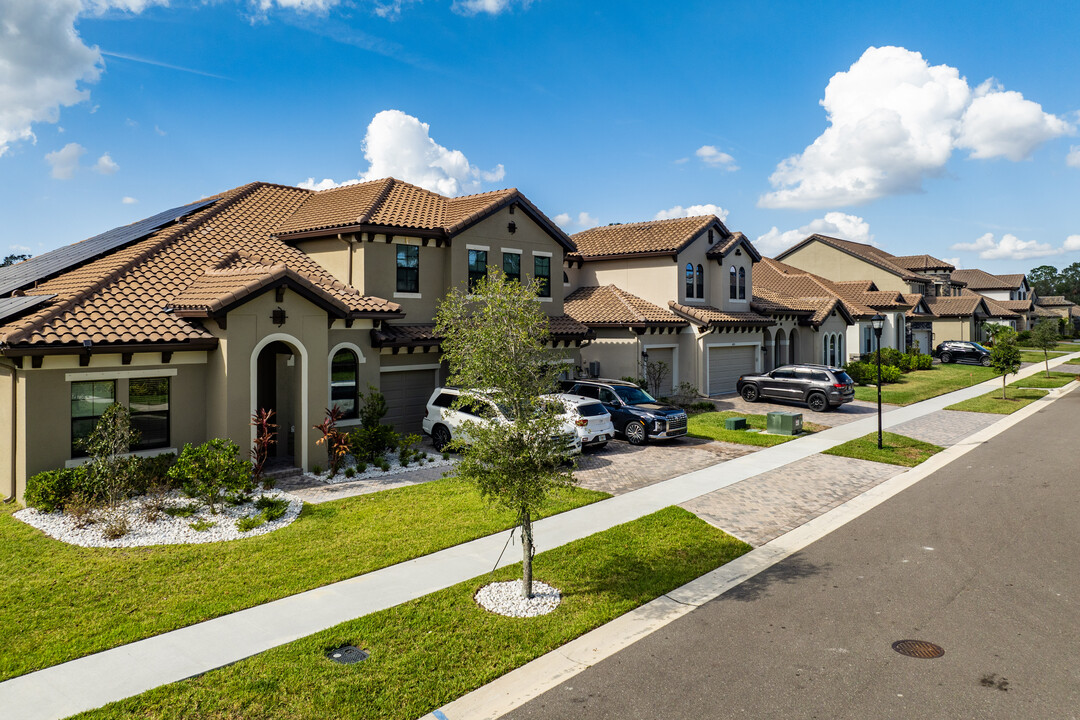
(636, 414)
(820, 387)
(445, 423)
(592, 419)
(962, 350)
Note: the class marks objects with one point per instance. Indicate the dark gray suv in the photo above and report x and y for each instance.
(820, 387)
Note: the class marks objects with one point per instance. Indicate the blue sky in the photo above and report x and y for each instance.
(112, 110)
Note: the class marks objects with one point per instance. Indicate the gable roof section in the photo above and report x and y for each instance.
(644, 239)
(981, 280)
(124, 298)
(217, 291)
(390, 204)
(777, 276)
(862, 251)
(997, 308)
(736, 240)
(816, 310)
(609, 306)
(707, 316)
(1054, 301)
(957, 306)
(922, 263)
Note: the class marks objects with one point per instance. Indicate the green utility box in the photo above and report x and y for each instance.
(784, 423)
(735, 423)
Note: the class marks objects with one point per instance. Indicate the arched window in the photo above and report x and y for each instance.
(832, 350)
(742, 283)
(700, 282)
(840, 349)
(344, 369)
(689, 280)
(824, 349)
(732, 287)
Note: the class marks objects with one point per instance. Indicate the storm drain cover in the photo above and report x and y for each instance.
(918, 649)
(347, 655)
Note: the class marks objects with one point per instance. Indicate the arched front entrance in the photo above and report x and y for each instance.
(780, 348)
(767, 352)
(793, 340)
(279, 365)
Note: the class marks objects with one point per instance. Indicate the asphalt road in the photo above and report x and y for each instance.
(981, 558)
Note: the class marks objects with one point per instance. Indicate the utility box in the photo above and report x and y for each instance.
(783, 423)
(735, 423)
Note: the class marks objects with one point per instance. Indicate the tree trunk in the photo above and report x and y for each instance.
(1046, 359)
(1003, 387)
(526, 555)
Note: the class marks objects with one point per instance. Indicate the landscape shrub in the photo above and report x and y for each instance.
(250, 522)
(685, 394)
(368, 444)
(201, 525)
(889, 356)
(337, 442)
(153, 471)
(272, 508)
(407, 449)
(889, 374)
(210, 470)
(864, 373)
(51, 490)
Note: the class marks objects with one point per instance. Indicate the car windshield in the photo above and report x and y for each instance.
(843, 377)
(633, 395)
(979, 347)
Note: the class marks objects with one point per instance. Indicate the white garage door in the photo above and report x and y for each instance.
(726, 364)
(406, 394)
(666, 356)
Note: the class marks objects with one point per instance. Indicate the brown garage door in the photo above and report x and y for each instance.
(666, 356)
(726, 364)
(406, 394)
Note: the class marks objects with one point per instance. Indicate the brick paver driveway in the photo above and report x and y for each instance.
(848, 412)
(621, 467)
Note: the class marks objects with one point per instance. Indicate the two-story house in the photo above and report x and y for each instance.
(265, 296)
(1006, 293)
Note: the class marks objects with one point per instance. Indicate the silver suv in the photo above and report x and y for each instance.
(820, 387)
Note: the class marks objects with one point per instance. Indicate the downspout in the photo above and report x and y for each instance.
(14, 436)
(350, 241)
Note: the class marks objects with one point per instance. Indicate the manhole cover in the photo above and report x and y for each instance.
(918, 649)
(347, 655)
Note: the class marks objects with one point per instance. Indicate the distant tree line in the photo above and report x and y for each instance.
(1048, 280)
(12, 259)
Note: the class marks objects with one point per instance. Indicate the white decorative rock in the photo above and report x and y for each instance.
(504, 598)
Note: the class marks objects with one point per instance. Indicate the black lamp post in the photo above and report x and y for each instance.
(877, 322)
(644, 363)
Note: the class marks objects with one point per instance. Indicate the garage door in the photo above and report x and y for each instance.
(726, 364)
(406, 394)
(666, 356)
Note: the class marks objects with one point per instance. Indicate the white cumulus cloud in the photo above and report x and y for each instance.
(716, 158)
(65, 161)
(834, 224)
(1072, 243)
(692, 211)
(1073, 158)
(106, 165)
(1009, 247)
(399, 145)
(894, 120)
(582, 221)
(128, 200)
(491, 7)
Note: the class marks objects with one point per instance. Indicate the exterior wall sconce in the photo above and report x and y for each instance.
(512, 227)
(278, 317)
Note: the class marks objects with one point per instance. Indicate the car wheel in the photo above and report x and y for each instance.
(817, 402)
(946, 358)
(440, 437)
(635, 433)
(985, 361)
(750, 393)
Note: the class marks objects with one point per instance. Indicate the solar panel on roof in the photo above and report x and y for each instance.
(53, 263)
(12, 306)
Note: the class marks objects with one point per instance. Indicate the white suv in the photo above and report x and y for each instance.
(444, 423)
(592, 419)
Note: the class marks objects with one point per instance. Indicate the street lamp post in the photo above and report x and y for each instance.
(645, 364)
(877, 322)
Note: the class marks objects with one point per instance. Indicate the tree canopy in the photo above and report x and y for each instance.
(1048, 280)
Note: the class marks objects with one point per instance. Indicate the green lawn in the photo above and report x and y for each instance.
(992, 402)
(62, 602)
(924, 384)
(1056, 380)
(711, 425)
(895, 449)
(1036, 356)
(1074, 361)
(432, 650)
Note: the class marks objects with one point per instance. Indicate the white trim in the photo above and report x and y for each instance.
(738, 301)
(153, 452)
(511, 251)
(545, 299)
(695, 300)
(403, 368)
(478, 247)
(305, 368)
(344, 346)
(542, 253)
(119, 374)
(413, 296)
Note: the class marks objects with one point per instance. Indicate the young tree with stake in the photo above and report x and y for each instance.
(1005, 358)
(1045, 337)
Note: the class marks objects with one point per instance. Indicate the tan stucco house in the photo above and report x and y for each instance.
(262, 296)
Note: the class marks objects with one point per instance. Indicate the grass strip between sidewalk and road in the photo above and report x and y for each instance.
(924, 384)
(711, 425)
(895, 449)
(63, 602)
(1056, 380)
(429, 651)
(1031, 356)
(992, 402)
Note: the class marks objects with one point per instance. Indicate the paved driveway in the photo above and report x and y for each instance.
(848, 412)
(621, 467)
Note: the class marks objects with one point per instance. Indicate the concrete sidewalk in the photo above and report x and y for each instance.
(115, 674)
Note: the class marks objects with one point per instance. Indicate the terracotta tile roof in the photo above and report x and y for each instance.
(961, 306)
(724, 247)
(817, 309)
(856, 285)
(125, 296)
(1018, 306)
(217, 290)
(1054, 301)
(655, 237)
(1042, 312)
(609, 306)
(564, 327)
(1015, 280)
(777, 276)
(391, 203)
(981, 280)
(997, 308)
(914, 299)
(712, 317)
(921, 263)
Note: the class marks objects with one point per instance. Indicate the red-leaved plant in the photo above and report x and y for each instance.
(337, 442)
(265, 438)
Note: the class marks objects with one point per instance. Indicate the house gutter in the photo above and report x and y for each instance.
(14, 375)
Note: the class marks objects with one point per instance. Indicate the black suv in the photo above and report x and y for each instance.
(956, 350)
(636, 414)
(819, 386)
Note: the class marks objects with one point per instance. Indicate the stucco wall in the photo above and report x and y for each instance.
(828, 262)
(653, 279)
